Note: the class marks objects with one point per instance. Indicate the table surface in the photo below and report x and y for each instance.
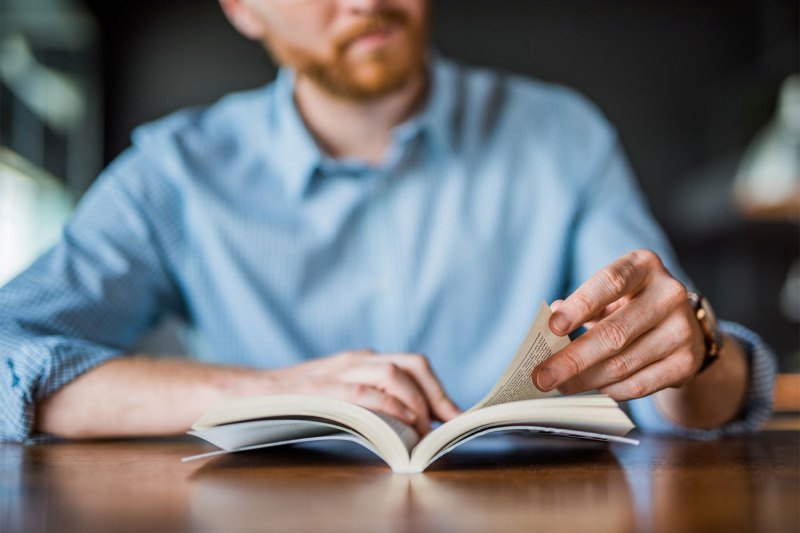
(494, 484)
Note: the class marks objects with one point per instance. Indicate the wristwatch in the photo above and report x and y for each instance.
(708, 325)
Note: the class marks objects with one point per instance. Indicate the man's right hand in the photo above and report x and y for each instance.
(401, 385)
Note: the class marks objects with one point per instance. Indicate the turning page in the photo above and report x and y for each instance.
(515, 383)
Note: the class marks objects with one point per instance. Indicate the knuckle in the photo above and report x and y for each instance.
(615, 278)
(616, 367)
(573, 362)
(612, 334)
(421, 360)
(581, 303)
(676, 291)
(685, 365)
(390, 371)
(636, 388)
(360, 390)
(647, 258)
(349, 357)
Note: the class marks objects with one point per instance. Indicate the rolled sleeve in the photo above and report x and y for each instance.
(86, 300)
(39, 368)
(758, 399)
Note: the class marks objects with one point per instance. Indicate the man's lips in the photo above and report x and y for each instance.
(374, 39)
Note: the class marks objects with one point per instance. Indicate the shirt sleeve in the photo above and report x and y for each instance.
(614, 219)
(85, 300)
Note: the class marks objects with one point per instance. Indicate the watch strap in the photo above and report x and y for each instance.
(707, 320)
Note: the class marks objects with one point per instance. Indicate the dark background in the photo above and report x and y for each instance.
(688, 83)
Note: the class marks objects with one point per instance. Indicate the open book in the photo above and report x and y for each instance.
(513, 404)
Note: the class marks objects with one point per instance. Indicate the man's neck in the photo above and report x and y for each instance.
(351, 128)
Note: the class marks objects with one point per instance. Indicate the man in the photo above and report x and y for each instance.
(374, 203)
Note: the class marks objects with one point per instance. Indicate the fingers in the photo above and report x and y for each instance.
(607, 311)
(654, 345)
(395, 381)
(374, 399)
(408, 377)
(622, 277)
(599, 316)
(672, 371)
(608, 337)
(419, 368)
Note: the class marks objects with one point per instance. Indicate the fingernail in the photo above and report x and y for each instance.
(561, 322)
(409, 415)
(545, 379)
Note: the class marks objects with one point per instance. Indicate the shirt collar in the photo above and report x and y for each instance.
(297, 155)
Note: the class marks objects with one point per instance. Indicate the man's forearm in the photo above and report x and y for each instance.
(143, 396)
(713, 397)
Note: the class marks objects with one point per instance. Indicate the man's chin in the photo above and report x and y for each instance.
(379, 80)
(366, 80)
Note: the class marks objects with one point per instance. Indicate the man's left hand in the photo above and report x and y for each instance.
(642, 335)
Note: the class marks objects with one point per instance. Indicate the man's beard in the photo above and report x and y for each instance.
(372, 75)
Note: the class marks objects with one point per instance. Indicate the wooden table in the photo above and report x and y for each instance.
(499, 484)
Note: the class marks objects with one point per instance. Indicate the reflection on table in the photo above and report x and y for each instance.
(498, 484)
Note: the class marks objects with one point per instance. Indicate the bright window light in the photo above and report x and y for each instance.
(33, 209)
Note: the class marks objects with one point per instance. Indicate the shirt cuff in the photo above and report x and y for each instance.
(35, 370)
(762, 368)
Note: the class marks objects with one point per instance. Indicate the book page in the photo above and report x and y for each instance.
(515, 383)
(256, 434)
(597, 414)
(243, 434)
(385, 437)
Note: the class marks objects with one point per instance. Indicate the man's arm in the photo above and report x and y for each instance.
(88, 299)
(143, 396)
(66, 322)
(713, 397)
(644, 338)
(139, 395)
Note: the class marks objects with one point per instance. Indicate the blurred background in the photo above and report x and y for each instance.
(701, 91)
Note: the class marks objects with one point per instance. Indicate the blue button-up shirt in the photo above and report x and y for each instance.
(502, 192)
